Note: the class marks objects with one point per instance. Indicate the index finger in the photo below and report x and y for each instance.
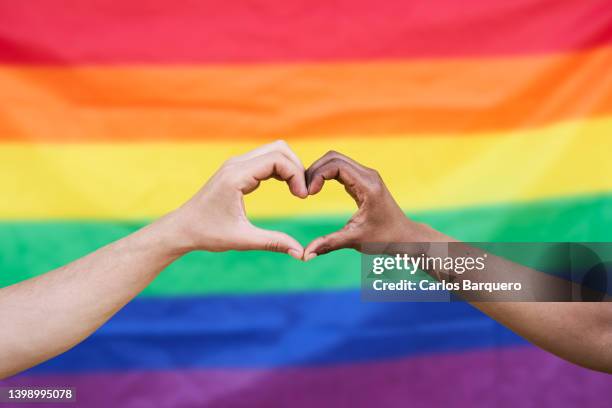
(347, 173)
(277, 146)
(273, 164)
(331, 155)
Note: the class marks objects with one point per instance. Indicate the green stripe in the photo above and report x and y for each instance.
(31, 248)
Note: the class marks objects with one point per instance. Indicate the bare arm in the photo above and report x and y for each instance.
(578, 332)
(47, 315)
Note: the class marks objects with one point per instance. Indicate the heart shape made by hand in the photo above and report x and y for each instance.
(378, 218)
(215, 218)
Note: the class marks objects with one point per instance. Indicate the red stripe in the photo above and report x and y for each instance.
(199, 31)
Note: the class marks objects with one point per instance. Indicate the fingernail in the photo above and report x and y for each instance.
(295, 253)
(310, 256)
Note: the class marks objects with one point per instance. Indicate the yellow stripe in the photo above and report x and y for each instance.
(145, 180)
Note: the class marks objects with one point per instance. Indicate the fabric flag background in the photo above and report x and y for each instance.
(492, 121)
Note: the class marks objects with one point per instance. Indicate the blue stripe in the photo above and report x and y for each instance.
(276, 330)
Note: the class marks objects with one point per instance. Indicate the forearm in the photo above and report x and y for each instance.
(578, 332)
(49, 314)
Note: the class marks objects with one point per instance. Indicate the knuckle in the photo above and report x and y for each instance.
(325, 246)
(373, 175)
(332, 154)
(231, 166)
(324, 249)
(276, 155)
(374, 184)
(281, 146)
(371, 172)
(223, 171)
(337, 162)
(231, 160)
(273, 246)
(281, 142)
(375, 188)
(229, 174)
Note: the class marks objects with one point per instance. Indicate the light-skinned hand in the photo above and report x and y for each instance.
(215, 218)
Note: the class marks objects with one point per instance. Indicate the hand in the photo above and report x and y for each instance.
(215, 219)
(379, 219)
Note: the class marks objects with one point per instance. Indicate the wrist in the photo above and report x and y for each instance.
(171, 233)
(420, 232)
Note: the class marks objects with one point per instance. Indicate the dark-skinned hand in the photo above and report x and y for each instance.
(379, 219)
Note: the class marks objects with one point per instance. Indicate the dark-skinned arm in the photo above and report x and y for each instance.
(577, 332)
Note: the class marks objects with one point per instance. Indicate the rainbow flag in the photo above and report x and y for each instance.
(490, 120)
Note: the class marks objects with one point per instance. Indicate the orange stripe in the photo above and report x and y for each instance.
(146, 103)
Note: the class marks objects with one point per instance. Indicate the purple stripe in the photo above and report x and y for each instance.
(510, 377)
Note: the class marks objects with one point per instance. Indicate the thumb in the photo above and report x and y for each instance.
(328, 243)
(274, 241)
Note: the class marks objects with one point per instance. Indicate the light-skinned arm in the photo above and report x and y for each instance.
(47, 315)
